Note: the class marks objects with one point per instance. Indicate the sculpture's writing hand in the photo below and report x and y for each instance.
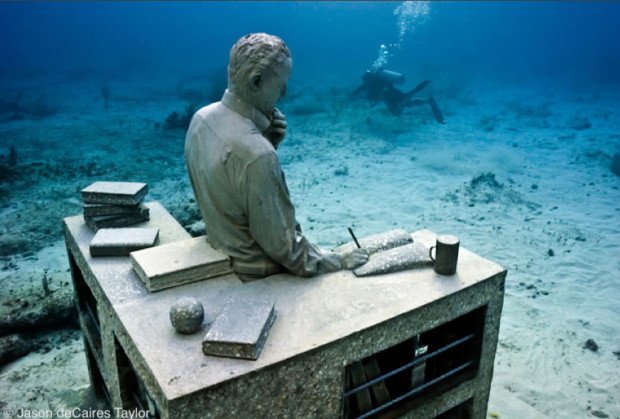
(354, 258)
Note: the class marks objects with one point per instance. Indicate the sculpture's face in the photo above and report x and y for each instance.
(271, 87)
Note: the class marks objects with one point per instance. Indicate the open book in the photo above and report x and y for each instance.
(391, 251)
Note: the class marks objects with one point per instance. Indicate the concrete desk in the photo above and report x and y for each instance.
(429, 339)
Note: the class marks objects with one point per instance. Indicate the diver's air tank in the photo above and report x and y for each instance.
(391, 76)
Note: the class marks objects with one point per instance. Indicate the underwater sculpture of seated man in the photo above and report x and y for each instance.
(379, 86)
(230, 151)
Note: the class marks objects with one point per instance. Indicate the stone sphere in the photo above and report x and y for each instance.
(186, 315)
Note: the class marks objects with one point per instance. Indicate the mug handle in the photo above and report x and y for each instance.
(430, 253)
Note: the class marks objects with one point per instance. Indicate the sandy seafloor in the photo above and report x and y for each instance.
(548, 211)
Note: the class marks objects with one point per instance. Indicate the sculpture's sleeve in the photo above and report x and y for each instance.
(272, 223)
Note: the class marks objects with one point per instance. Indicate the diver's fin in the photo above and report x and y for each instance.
(436, 111)
(418, 88)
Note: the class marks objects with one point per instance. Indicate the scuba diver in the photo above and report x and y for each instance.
(378, 86)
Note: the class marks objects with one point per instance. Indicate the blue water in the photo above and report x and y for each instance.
(531, 96)
(514, 40)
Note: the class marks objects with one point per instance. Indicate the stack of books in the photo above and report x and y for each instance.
(114, 204)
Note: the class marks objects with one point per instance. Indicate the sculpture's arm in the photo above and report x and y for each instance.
(271, 217)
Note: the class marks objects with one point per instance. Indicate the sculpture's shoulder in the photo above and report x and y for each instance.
(238, 134)
(211, 113)
(203, 118)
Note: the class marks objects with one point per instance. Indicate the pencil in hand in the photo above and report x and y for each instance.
(354, 238)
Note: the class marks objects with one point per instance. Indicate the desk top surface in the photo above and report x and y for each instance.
(311, 312)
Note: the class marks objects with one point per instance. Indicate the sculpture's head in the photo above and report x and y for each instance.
(259, 67)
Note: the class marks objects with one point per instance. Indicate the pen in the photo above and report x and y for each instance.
(354, 238)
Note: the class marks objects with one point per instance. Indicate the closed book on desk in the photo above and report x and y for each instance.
(178, 263)
(115, 193)
(116, 221)
(241, 329)
(122, 241)
(95, 210)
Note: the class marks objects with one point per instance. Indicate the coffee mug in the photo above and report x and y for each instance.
(446, 254)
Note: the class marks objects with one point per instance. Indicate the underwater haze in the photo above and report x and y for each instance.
(514, 146)
(491, 40)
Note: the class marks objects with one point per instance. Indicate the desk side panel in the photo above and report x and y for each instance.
(111, 281)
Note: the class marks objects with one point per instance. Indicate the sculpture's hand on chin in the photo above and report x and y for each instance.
(277, 130)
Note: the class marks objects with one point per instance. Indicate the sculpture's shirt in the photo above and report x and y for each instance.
(242, 194)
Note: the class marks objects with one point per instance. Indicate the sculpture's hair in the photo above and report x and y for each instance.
(255, 52)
